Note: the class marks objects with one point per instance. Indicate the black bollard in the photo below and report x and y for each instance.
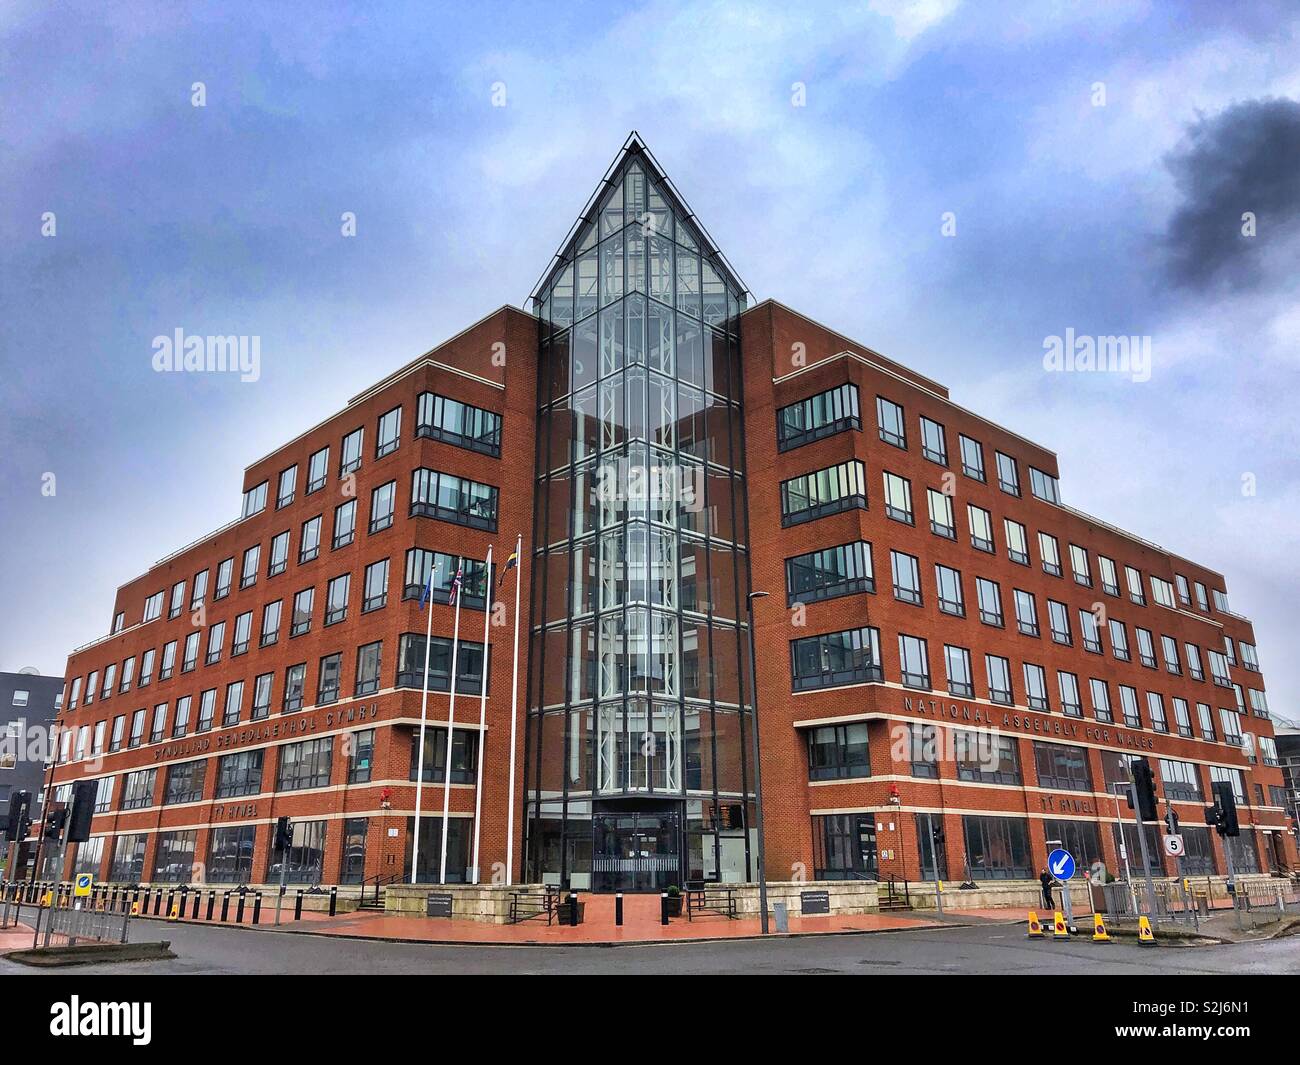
(212, 901)
(618, 909)
(663, 908)
(257, 906)
(334, 900)
(198, 897)
(239, 910)
(225, 906)
(297, 906)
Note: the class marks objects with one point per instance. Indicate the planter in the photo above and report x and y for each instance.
(674, 904)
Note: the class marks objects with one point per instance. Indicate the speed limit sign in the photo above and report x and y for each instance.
(1174, 846)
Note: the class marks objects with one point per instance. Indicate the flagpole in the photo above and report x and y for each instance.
(424, 714)
(451, 726)
(514, 706)
(482, 710)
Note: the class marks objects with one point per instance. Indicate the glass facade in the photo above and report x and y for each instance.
(636, 777)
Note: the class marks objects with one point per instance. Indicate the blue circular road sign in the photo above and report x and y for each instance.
(1060, 863)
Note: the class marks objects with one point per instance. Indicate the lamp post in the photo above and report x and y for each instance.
(758, 767)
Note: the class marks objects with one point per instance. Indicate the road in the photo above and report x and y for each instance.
(984, 949)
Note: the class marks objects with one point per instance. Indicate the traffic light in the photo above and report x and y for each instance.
(1225, 808)
(936, 833)
(16, 823)
(54, 821)
(1144, 786)
(1171, 821)
(283, 835)
(83, 809)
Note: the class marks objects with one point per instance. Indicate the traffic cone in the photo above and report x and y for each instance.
(135, 909)
(1145, 937)
(1099, 933)
(176, 912)
(1035, 928)
(1059, 931)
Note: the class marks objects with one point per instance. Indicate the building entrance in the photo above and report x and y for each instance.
(636, 849)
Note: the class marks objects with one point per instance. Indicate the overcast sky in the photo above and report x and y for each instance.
(1096, 160)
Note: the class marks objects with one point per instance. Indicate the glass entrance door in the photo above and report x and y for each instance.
(636, 850)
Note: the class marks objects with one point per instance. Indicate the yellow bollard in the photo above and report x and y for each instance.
(1099, 933)
(1035, 928)
(1145, 937)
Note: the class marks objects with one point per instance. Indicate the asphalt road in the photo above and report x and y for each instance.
(984, 949)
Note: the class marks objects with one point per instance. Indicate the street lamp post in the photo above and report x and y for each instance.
(758, 767)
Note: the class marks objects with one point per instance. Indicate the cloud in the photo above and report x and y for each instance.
(1242, 162)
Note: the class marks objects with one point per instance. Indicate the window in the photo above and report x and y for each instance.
(91, 681)
(153, 607)
(997, 848)
(128, 858)
(327, 687)
(300, 622)
(848, 657)
(174, 860)
(1218, 669)
(957, 665)
(286, 486)
(1162, 591)
(104, 795)
(181, 722)
(375, 590)
(445, 566)
(146, 665)
(389, 435)
(368, 659)
(898, 498)
(191, 655)
(317, 470)
(819, 416)
(942, 522)
(239, 774)
(128, 674)
(309, 542)
(336, 599)
(305, 858)
(981, 528)
(1182, 781)
(1134, 579)
(907, 577)
(1225, 775)
(1205, 718)
(1050, 551)
(294, 683)
(1156, 711)
(382, 501)
(972, 457)
(986, 758)
(279, 555)
(893, 427)
(158, 729)
(137, 729)
(828, 491)
(1071, 705)
(453, 499)
(1202, 602)
(1090, 631)
(185, 782)
(410, 664)
(350, 452)
(1062, 766)
(271, 623)
(1259, 703)
(177, 602)
(119, 620)
(1058, 617)
(119, 730)
(1079, 566)
(1230, 649)
(254, 500)
(1017, 542)
(243, 632)
(234, 703)
(934, 441)
(261, 697)
(230, 855)
(1036, 687)
(207, 710)
(464, 756)
(1268, 750)
(1109, 578)
(1249, 657)
(1026, 612)
(453, 422)
(1169, 647)
(838, 752)
(1128, 705)
(826, 574)
(76, 693)
(110, 676)
(923, 743)
(1044, 486)
(1119, 640)
(1008, 474)
(137, 789)
(252, 557)
(98, 746)
(361, 755)
(1146, 648)
(915, 662)
(1100, 700)
(948, 583)
(1230, 721)
(225, 571)
(1182, 717)
(305, 764)
(1220, 600)
(989, 597)
(200, 592)
(998, 670)
(345, 524)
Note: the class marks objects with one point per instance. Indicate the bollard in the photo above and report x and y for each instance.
(198, 897)
(334, 900)
(573, 909)
(239, 910)
(297, 906)
(171, 901)
(618, 909)
(663, 908)
(257, 906)
(225, 906)
(157, 902)
(212, 901)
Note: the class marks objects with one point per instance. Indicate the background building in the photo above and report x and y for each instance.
(29, 704)
(952, 666)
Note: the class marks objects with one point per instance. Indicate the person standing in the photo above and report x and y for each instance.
(1045, 879)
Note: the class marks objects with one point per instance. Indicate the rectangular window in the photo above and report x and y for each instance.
(989, 596)
(1128, 705)
(1036, 687)
(382, 503)
(345, 524)
(177, 603)
(981, 528)
(1090, 631)
(1134, 579)
(317, 470)
(254, 500)
(302, 604)
(1249, 657)
(998, 670)
(1100, 700)
(137, 789)
(350, 452)
(972, 457)
(137, 729)
(181, 723)
(305, 858)
(361, 755)
(1119, 640)
(1071, 705)
(119, 730)
(1058, 616)
(817, 417)
(1062, 766)
(389, 434)
(957, 664)
(271, 623)
(225, 573)
(200, 591)
(1230, 721)
(1008, 474)
(104, 795)
(207, 710)
(1079, 566)
(327, 683)
(948, 583)
(146, 664)
(464, 756)
(1026, 612)
(1146, 648)
(1162, 591)
(368, 662)
(828, 491)
(230, 854)
(1044, 486)
(848, 657)
(128, 674)
(410, 664)
(278, 559)
(1050, 551)
(898, 498)
(453, 499)
(1202, 602)
(286, 487)
(1182, 780)
(216, 636)
(242, 634)
(1169, 648)
(309, 542)
(914, 660)
(1182, 717)
(942, 522)
(473, 593)
(239, 774)
(234, 703)
(1218, 669)
(826, 574)
(153, 607)
(1017, 542)
(1205, 719)
(336, 599)
(295, 678)
(1109, 578)
(460, 424)
(998, 848)
(893, 426)
(174, 859)
(907, 577)
(985, 758)
(1156, 711)
(252, 558)
(262, 696)
(185, 782)
(375, 589)
(128, 858)
(838, 752)
(158, 729)
(934, 441)
(305, 765)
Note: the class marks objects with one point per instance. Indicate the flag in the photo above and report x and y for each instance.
(427, 590)
(456, 583)
(511, 563)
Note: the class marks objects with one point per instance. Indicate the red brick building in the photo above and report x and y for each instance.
(942, 643)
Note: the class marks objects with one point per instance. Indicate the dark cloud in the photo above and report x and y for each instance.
(1246, 158)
